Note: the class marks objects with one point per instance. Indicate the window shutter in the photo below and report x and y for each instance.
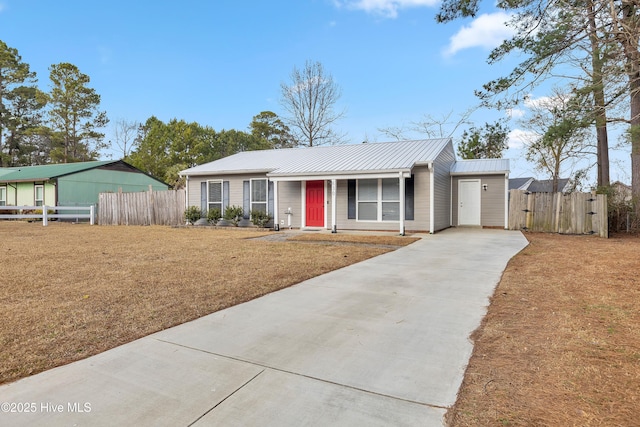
(408, 198)
(351, 199)
(270, 203)
(203, 196)
(245, 199)
(225, 195)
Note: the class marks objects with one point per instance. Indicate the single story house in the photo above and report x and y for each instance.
(71, 184)
(533, 185)
(407, 185)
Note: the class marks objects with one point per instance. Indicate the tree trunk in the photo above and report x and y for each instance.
(628, 36)
(599, 99)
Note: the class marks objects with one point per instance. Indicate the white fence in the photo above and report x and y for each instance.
(44, 213)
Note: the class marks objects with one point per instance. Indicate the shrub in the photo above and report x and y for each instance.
(192, 214)
(260, 218)
(233, 214)
(214, 215)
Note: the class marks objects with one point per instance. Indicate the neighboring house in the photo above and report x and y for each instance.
(533, 185)
(71, 184)
(408, 185)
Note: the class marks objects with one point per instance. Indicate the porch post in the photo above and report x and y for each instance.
(334, 209)
(303, 204)
(402, 202)
(276, 220)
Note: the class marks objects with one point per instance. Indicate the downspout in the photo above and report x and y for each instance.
(432, 197)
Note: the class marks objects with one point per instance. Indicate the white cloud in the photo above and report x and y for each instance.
(487, 30)
(519, 138)
(386, 8)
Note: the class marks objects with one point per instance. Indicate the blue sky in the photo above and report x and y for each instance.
(219, 63)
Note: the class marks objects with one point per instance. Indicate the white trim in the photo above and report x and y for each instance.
(276, 219)
(402, 202)
(379, 202)
(266, 201)
(479, 181)
(186, 194)
(432, 198)
(451, 201)
(303, 204)
(3, 189)
(35, 194)
(506, 201)
(334, 203)
(325, 206)
(221, 194)
(391, 174)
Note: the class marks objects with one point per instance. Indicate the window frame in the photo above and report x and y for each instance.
(379, 200)
(221, 202)
(266, 195)
(35, 195)
(3, 195)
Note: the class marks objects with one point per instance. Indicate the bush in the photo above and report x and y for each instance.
(192, 214)
(260, 218)
(622, 215)
(214, 215)
(233, 214)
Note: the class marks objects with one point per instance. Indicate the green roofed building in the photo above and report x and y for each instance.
(71, 184)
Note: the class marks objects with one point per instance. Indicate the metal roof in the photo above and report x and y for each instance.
(480, 166)
(333, 159)
(44, 172)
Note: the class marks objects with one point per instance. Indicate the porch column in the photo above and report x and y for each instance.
(334, 209)
(402, 201)
(303, 204)
(276, 220)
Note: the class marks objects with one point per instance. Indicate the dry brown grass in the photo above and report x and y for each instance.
(69, 291)
(560, 345)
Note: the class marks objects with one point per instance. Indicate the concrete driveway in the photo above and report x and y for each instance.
(383, 342)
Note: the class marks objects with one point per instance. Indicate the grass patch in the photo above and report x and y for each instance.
(559, 344)
(69, 291)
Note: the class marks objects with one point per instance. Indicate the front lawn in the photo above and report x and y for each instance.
(69, 291)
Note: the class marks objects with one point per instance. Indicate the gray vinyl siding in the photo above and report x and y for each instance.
(421, 208)
(442, 188)
(289, 196)
(235, 187)
(491, 201)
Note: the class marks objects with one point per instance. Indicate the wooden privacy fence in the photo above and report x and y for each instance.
(574, 213)
(144, 208)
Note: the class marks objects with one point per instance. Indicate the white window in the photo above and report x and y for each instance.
(259, 195)
(378, 199)
(214, 195)
(39, 195)
(3, 196)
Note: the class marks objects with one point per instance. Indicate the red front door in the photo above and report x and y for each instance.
(315, 203)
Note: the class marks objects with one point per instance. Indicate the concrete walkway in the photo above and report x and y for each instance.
(380, 343)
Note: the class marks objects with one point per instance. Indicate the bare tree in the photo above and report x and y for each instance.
(429, 126)
(124, 134)
(559, 135)
(309, 99)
